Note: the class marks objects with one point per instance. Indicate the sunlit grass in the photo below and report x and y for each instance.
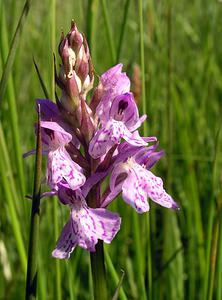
(164, 254)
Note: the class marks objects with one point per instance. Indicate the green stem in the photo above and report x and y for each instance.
(97, 257)
(98, 272)
(31, 280)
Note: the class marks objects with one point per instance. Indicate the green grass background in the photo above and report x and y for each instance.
(164, 254)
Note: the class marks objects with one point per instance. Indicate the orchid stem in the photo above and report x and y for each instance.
(97, 260)
(98, 272)
(31, 279)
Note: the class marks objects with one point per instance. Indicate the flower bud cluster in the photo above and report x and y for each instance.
(76, 72)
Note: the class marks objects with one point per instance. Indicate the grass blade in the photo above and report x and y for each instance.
(41, 80)
(123, 27)
(92, 11)
(13, 114)
(55, 202)
(32, 266)
(114, 275)
(144, 110)
(6, 184)
(109, 32)
(13, 48)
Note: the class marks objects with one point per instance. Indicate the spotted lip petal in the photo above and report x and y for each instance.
(134, 194)
(62, 169)
(156, 192)
(137, 186)
(85, 227)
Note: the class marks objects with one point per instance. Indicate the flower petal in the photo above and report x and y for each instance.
(53, 135)
(48, 110)
(86, 226)
(113, 83)
(111, 134)
(92, 180)
(103, 223)
(111, 195)
(134, 194)
(62, 169)
(66, 243)
(124, 109)
(93, 224)
(115, 80)
(156, 192)
(134, 138)
(105, 138)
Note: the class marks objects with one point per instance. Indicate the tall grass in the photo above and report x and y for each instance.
(164, 254)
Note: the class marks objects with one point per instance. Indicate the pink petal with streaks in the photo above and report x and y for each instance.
(86, 227)
(62, 169)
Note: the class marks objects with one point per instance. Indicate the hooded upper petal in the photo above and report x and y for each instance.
(48, 110)
(112, 83)
(115, 80)
(124, 109)
(53, 135)
(50, 114)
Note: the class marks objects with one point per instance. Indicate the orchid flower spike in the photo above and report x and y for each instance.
(87, 143)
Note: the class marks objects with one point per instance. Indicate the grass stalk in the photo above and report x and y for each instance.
(32, 266)
(71, 269)
(92, 11)
(213, 231)
(108, 32)
(13, 114)
(145, 131)
(169, 96)
(55, 202)
(139, 256)
(218, 294)
(6, 184)
(12, 50)
(172, 242)
(214, 247)
(114, 275)
(122, 31)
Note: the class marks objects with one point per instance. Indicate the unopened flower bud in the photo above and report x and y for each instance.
(76, 72)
